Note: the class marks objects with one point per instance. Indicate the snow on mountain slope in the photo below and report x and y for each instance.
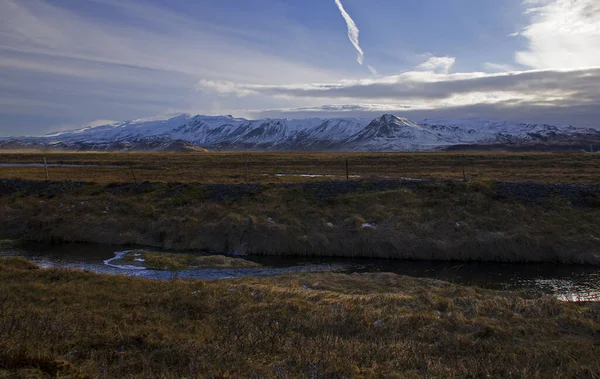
(489, 131)
(267, 133)
(122, 130)
(386, 133)
(392, 133)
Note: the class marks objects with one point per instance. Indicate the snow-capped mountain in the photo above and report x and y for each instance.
(386, 133)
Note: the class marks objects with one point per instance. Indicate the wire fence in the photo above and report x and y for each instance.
(280, 168)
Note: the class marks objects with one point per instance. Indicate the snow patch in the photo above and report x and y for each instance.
(367, 225)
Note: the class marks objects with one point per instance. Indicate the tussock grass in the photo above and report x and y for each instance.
(168, 261)
(72, 324)
(438, 221)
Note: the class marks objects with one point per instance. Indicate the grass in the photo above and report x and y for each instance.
(73, 324)
(439, 221)
(264, 167)
(168, 261)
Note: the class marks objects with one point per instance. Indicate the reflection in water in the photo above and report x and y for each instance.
(566, 282)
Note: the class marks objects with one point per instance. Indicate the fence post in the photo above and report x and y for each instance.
(464, 175)
(246, 169)
(46, 169)
(132, 172)
(347, 170)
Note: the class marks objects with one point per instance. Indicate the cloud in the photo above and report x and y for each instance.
(581, 115)
(124, 59)
(352, 32)
(223, 87)
(128, 58)
(101, 122)
(499, 67)
(541, 89)
(429, 85)
(562, 34)
(438, 64)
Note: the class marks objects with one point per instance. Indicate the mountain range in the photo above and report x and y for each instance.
(385, 133)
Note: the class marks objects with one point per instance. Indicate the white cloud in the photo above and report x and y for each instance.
(69, 67)
(352, 32)
(429, 90)
(372, 70)
(189, 48)
(438, 64)
(562, 34)
(133, 59)
(498, 67)
(101, 122)
(223, 87)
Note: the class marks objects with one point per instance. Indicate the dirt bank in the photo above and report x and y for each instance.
(478, 220)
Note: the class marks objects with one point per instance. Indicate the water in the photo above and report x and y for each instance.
(566, 282)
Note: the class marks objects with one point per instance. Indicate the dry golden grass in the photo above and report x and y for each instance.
(71, 324)
(264, 167)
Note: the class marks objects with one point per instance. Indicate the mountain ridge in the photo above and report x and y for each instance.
(386, 133)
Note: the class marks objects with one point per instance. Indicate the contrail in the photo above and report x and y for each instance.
(352, 32)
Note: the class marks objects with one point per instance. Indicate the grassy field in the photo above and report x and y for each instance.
(433, 221)
(158, 260)
(265, 167)
(71, 324)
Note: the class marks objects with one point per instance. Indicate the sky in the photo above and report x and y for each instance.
(66, 64)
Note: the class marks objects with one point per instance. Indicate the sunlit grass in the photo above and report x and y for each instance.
(265, 167)
(57, 323)
(157, 260)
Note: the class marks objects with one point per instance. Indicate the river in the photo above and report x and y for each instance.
(566, 282)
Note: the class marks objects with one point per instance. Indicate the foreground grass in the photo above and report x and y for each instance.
(168, 261)
(73, 324)
(436, 221)
(265, 167)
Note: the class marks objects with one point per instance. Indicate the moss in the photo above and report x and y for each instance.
(181, 261)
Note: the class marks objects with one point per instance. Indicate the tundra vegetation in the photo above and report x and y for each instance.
(264, 168)
(479, 220)
(71, 324)
(157, 260)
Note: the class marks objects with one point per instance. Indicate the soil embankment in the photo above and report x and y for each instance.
(407, 219)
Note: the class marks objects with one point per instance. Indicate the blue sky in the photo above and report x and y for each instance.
(71, 63)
